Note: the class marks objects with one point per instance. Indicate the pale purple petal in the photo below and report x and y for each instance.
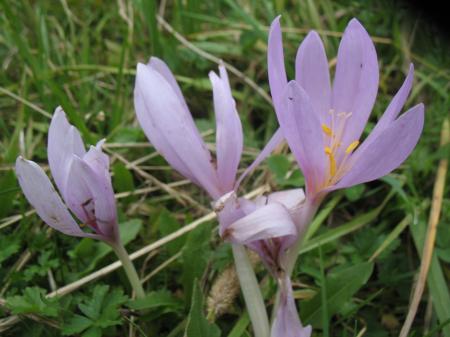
(275, 64)
(229, 137)
(102, 194)
(77, 193)
(158, 139)
(287, 323)
(312, 74)
(98, 161)
(170, 128)
(267, 222)
(276, 140)
(392, 110)
(290, 199)
(42, 196)
(387, 151)
(64, 140)
(303, 132)
(356, 82)
(228, 211)
(161, 67)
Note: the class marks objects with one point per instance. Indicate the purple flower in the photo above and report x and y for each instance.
(287, 323)
(268, 225)
(168, 124)
(83, 181)
(323, 124)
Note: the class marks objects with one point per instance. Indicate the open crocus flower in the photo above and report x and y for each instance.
(323, 124)
(83, 181)
(168, 124)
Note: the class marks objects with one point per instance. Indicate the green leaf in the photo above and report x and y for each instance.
(355, 192)
(93, 332)
(92, 307)
(101, 311)
(195, 255)
(198, 325)
(166, 224)
(162, 300)
(341, 286)
(10, 245)
(76, 324)
(33, 301)
(122, 178)
(8, 189)
(280, 166)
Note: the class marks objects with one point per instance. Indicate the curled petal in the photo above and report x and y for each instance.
(158, 139)
(387, 151)
(312, 74)
(161, 67)
(42, 196)
(289, 198)
(64, 140)
(100, 187)
(302, 129)
(78, 194)
(276, 140)
(287, 323)
(96, 159)
(228, 210)
(392, 110)
(267, 222)
(356, 82)
(171, 129)
(275, 60)
(229, 138)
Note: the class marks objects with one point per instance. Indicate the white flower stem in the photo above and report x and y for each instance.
(130, 271)
(306, 216)
(251, 291)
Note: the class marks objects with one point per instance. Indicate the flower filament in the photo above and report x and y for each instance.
(337, 156)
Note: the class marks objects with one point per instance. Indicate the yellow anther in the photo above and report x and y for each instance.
(327, 130)
(352, 147)
(82, 225)
(330, 155)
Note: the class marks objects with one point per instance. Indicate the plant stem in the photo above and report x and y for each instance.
(305, 217)
(129, 269)
(251, 291)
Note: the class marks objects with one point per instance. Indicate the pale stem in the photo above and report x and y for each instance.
(130, 271)
(307, 214)
(251, 291)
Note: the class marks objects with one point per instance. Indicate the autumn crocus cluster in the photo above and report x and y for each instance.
(322, 124)
(84, 182)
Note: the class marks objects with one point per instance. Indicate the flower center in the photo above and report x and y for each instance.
(337, 157)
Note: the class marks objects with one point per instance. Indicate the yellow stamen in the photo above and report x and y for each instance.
(327, 130)
(352, 147)
(82, 225)
(330, 155)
